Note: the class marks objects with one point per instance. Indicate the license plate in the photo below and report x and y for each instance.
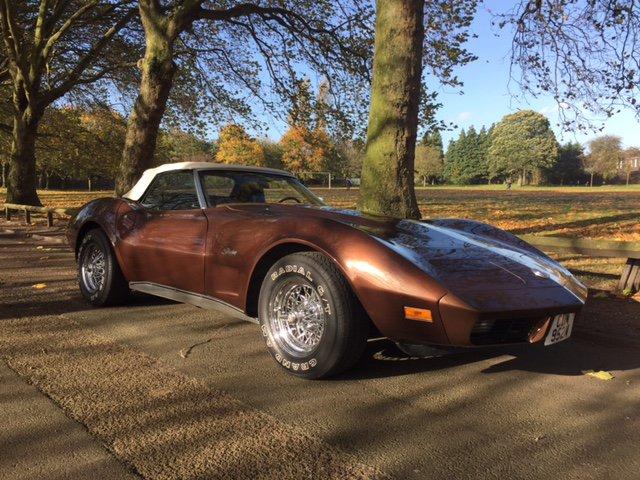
(560, 328)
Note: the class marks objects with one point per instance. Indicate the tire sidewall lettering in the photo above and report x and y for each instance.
(300, 270)
(296, 365)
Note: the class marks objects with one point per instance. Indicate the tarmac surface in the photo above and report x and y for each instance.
(164, 390)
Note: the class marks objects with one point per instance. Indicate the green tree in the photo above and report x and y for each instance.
(66, 136)
(272, 153)
(521, 144)
(177, 145)
(433, 138)
(429, 163)
(568, 168)
(604, 158)
(49, 49)
(466, 158)
(401, 49)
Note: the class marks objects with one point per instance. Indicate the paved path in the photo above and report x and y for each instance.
(508, 413)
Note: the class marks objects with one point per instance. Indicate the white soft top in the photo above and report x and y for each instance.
(148, 175)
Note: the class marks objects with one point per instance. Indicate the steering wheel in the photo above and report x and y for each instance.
(282, 200)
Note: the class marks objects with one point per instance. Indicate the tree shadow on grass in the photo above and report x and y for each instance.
(589, 222)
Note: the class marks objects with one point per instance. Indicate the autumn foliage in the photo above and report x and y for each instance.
(237, 147)
(305, 150)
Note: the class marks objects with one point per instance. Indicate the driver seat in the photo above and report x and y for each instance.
(248, 192)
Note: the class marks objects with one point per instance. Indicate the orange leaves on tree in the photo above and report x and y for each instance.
(237, 147)
(305, 150)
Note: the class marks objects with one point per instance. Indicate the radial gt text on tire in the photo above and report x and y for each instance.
(310, 319)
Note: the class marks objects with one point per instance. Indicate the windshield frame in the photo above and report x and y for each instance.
(311, 199)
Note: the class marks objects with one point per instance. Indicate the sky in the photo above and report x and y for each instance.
(488, 95)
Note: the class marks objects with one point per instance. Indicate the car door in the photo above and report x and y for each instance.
(162, 237)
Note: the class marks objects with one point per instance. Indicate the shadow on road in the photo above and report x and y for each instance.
(572, 357)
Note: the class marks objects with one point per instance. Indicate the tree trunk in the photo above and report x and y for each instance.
(591, 181)
(628, 176)
(22, 178)
(4, 174)
(387, 186)
(89, 183)
(158, 69)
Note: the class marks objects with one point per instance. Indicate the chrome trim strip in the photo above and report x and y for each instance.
(201, 301)
(199, 190)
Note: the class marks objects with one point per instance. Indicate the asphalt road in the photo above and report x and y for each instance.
(509, 413)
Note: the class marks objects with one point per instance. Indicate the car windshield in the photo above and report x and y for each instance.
(222, 187)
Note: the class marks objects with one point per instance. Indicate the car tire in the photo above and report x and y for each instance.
(99, 276)
(313, 325)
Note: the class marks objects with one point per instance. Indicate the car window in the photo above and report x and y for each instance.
(172, 191)
(218, 188)
(254, 187)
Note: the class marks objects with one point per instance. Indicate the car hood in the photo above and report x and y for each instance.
(486, 267)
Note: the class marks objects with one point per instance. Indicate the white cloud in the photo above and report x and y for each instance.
(464, 116)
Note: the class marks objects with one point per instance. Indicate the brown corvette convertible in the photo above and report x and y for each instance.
(257, 244)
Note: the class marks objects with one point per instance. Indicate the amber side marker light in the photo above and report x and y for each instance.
(420, 314)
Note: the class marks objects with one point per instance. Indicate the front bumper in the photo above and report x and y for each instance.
(465, 326)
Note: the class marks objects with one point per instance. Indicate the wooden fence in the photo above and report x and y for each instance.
(29, 209)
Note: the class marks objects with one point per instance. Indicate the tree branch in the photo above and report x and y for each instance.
(74, 75)
(65, 27)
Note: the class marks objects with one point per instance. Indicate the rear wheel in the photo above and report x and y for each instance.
(312, 324)
(99, 276)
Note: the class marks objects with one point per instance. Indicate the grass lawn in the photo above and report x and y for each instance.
(600, 212)
(607, 213)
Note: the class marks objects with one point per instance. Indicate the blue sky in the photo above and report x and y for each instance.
(488, 95)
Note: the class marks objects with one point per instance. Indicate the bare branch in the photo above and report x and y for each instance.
(74, 75)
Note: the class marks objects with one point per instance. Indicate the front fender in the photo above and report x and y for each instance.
(383, 281)
(101, 212)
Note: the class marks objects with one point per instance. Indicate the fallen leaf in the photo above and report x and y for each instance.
(39, 247)
(600, 374)
(40, 286)
(600, 295)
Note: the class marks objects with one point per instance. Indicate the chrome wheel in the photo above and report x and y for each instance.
(93, 268)
(297, 319)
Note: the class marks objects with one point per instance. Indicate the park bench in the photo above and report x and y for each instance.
(29, 209)
(630, 278)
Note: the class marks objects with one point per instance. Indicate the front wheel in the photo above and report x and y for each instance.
(312, 323)
(99, 276)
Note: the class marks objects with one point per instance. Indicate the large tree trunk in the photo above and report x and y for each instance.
(387, 186)
(22, 179)
(158, 70)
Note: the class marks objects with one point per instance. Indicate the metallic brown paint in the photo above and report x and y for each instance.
(461, 271)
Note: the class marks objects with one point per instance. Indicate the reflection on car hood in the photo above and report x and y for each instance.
(469, 264)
